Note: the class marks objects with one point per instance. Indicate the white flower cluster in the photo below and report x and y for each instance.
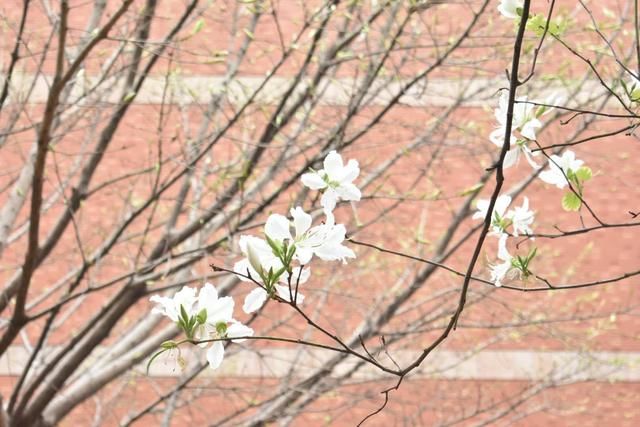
(269, 262)
(277, 262)
(519, 219)
(562, 171)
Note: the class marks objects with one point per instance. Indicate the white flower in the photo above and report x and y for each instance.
(509, 8)
(219, 323)
(336, 179)
(324, 241)
(559, 168)
(498, 215)
(278, 228)
(214, 317)
(524, 121)
(170, 307)
(521, 218)
(259, 257)
(500, 271)
(257, 297)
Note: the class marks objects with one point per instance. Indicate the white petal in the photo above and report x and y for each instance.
(207, 296)
(511, 158)
(237, 329)
(259, 245)
(167, 307)
(349, 191)
(283, 292)
(529, 156)
(185, 297)
(335, 252)
(254, 300)
(301, 220)
(502, 203)
(333, 165)
(329, 199)
(503, 254)
(277, 227)
(350, 171)
(497, 136)
(554, 177)
(313, 180)
(482, 206)
(215, 354)
(220, 310)
(529, 129)
(243, 268)
(300, 274)
(304, 254)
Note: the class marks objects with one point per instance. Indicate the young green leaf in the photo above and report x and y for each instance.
(584, 173)
(571, 202)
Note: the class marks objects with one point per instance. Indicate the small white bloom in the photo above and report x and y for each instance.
(499, 271)
(324, 241)
(498, 214)
(521, 218)
(559, 168)
(509, 8)
(524, 121)
(336, 179)
(214, 314)
(219, 323)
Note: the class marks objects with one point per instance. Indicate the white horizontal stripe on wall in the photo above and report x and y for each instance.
(199, 89)
(524, 365)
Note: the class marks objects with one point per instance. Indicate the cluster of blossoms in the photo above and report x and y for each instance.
(562, 171)
(518, 220)
(275, 263)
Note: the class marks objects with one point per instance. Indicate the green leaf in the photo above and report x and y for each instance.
(584, 173)
(197, 27)
(537, 24)
(571, 202)
(472, 189)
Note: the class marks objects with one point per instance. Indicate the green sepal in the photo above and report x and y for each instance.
(202, 316)
(221, 329)
(275, 247)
